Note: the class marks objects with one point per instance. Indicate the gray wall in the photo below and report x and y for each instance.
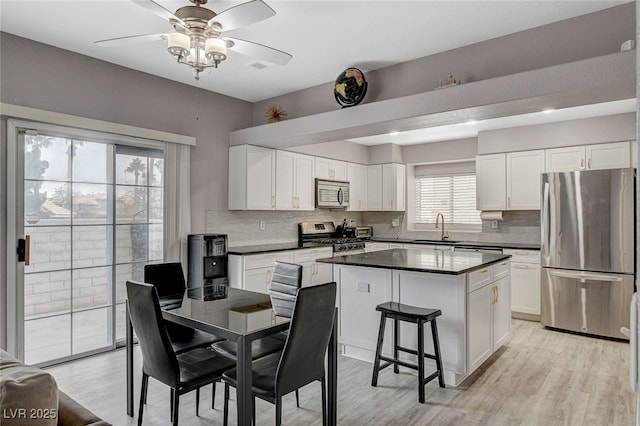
(566, 41)
(611, 128)
(48, 78)
(44, 77)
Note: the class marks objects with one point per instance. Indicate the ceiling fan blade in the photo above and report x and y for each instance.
(119, 41)
(242, 15)
(159, 10)
(259, 51)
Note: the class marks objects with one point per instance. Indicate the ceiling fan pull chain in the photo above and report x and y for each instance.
(197, 100)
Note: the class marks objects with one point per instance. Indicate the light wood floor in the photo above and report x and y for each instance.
(541, 377)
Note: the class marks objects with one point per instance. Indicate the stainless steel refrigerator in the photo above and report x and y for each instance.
(588, 250)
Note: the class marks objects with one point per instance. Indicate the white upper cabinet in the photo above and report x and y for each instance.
(358, 187)
(330, 169)
(564, 159)
(251, 178)
(394, 178)
(294, 181)
(590, 157)
(491, 191)
(523, 179)
(608, 156)
(374, 187)
(386, 186)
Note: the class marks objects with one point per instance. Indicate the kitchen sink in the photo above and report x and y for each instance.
(437, 241)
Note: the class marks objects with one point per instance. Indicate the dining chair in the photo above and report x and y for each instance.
(302, 359)
(168, 279)
(182, 372)
(285, 282)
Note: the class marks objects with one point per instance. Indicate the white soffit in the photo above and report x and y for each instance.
(470, 129)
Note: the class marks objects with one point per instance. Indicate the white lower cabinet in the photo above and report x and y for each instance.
(314, 273)
(479, 308)
(525, 283)
(375, 246)
(254, 271)
(360, 291)
(473, 324)
(488, 317)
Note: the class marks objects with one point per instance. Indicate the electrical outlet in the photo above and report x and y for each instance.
(494, 224)
(262, 225)
(395, 222)
(363, 287)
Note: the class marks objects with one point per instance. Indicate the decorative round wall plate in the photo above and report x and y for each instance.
(350, 87)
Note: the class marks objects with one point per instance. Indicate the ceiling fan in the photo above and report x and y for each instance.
(197, 40)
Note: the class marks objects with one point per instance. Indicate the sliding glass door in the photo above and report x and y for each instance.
(93, 214)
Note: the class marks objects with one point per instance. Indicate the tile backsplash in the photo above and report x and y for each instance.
(243, 227)
(516, 227)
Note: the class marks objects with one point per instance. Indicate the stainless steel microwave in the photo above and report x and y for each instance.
(332, 194)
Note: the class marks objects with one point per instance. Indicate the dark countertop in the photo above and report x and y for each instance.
(466, 244)
(434, 261)
(266, 248)
(273, 247)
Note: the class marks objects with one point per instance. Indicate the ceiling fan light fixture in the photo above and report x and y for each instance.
(178, 44)
(195, 57)
(215, 50)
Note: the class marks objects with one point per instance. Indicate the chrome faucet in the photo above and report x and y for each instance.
(444, 235)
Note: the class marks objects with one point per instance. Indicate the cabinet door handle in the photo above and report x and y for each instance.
(509, 201)
(582, 163)
(273, 201)
(521, 266)
(268, 276)
(589, 163)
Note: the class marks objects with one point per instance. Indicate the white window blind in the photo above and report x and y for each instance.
(454, 196)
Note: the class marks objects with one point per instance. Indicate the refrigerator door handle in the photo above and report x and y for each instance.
(545, 221)
(586, 276)
(633, 343)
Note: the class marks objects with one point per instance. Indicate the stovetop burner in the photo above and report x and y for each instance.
(339, 240)
(325, 233)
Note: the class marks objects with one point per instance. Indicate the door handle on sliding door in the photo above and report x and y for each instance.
(23, 249)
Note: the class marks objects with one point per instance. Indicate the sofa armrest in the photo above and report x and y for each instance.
(71, 413)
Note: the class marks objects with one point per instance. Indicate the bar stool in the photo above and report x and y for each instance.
(400, 312)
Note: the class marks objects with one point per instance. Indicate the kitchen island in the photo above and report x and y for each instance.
(472, 290)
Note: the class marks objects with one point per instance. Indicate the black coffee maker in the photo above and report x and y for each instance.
(207, 260)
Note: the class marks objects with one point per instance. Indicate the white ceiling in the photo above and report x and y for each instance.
(324, 37)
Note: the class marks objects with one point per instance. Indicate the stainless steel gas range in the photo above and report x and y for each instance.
(326, 233)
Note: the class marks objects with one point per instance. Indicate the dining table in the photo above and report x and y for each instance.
(240, 316)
